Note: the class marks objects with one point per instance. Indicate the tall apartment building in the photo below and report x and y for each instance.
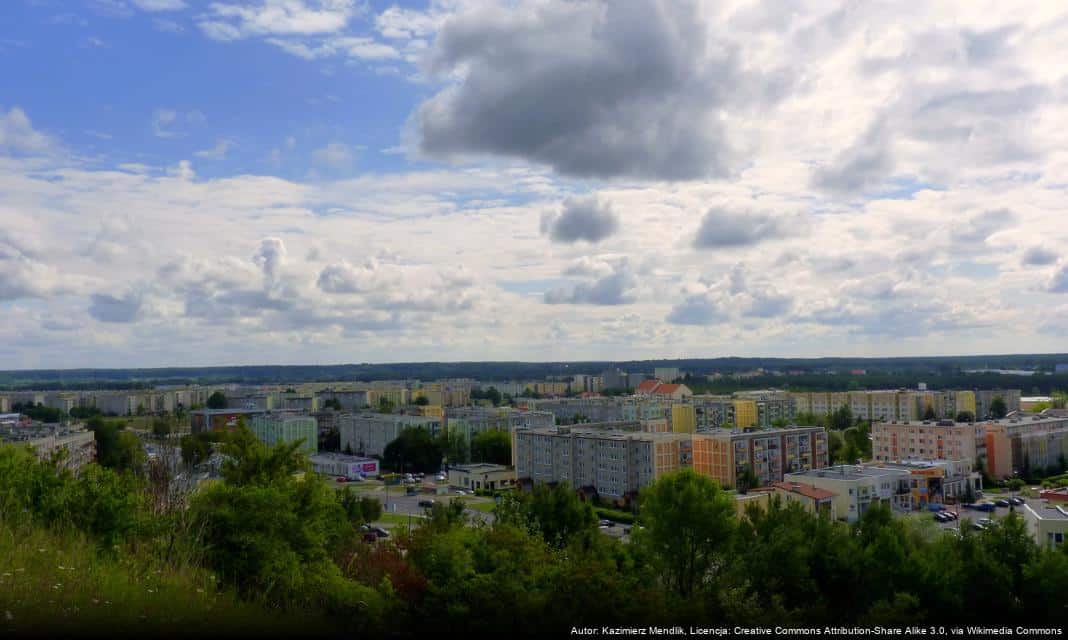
(927, 440)
(471, 421)
(772, 406)
(683, 418)
(369, 433)
(273, 428)
(1024, 443)
(617, 464)
(725, 455)
(667, 374)
(596, 409)
(713, 411)
(984, 397)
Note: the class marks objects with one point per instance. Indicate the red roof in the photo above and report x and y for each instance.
(667, 388)
(649, 386)
(807, 490)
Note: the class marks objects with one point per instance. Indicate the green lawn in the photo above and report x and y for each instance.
(485, 507)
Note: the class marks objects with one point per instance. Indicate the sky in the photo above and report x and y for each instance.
(213, 182)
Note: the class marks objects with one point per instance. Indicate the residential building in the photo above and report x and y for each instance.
(713, 411)
(481, 476)
(616, 464)
(614, 378)
(78, 445)
(1021, 443)
(339, 464)
(926, 440)
(202, 420)
(664, 390)
(745, 413)
(276, 428)
(369, 433)
(683, 418)
(667, 374)
(983, 398)
(936, 481)
(772, 406)
(1028, 403)
(471, 421)
(594, 409)
(725, 454)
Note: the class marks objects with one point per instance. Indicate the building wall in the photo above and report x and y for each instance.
(272, 430)
(683, 418)
(745, 413)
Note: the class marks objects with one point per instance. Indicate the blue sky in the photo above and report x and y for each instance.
(96, 77)
(198, 182)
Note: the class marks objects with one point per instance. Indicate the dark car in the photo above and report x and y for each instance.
(1001, 502)
(984, 506)
(426, 504)
(1018, 501)
(952, 515)
(607, 523)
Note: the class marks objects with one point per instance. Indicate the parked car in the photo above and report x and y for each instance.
(941, 516)
(426, 504)
(342, 479)
(1018, 501)
(440, 477)
(952, 515)
(1002, 503)
(985, 522)
(411, 491)
(607, 523)
(985, 506)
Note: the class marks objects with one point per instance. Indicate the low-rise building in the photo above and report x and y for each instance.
(1047, 522)
(811, 498)
(78, 445)
(481, 476)
(856, 488)
(339, 464)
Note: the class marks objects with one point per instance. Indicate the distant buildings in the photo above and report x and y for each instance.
(905, 404)
(78, 445)
(272, 429)
(369, 433)
(926, 440)
(665, 390)
(667, 374)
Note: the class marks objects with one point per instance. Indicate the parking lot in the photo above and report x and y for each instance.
(974, 515)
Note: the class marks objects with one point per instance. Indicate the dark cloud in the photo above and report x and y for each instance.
(592, 89)
(982, 225)
(616, 287)
(863, 166)
(108, 308)
(722, 229)
(698, 309)
(586, 219)
(1038, 257)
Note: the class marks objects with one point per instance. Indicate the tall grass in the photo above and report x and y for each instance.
(61, 582)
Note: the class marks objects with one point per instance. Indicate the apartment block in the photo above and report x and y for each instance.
(471, 421)
(617, 464)
(725, 455)
(273, 428)
(683, 418)
(772, 406)
(927, 440)
(745, 413)
(368, 433)
(78, 445)
(1023, 442)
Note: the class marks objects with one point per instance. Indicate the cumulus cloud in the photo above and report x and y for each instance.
(616, 287)
(587, 218)
(1058, 280)
(1038, 257)
(22, 273)
(18, 136)
(230, 21)
(617, 89)
(342, 277)
(270, 257)
(120, 309)
(723, 229)
(334, 156)
(160, 5)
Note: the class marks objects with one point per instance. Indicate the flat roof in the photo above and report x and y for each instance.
(1047, 511)
(848, 472)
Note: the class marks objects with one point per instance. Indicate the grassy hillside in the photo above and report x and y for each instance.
(61, 582)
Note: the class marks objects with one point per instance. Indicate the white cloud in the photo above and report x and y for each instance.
(17, 134)
(160, 5)
(229, 21)
(218, 152)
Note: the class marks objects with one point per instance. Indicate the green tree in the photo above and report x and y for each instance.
(332, 403)
(161, 427)
(842, 418)
(965, 416)
(929, 413)
(555, 513)
(493, 446)
(414, 450)
(687, 527)
(116, 448)
(422, 401)
(216, 400)
(998, 409)
(385, 405)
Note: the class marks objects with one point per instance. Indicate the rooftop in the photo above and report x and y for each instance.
(1047, 511)
(848, 472)
(807, 490)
